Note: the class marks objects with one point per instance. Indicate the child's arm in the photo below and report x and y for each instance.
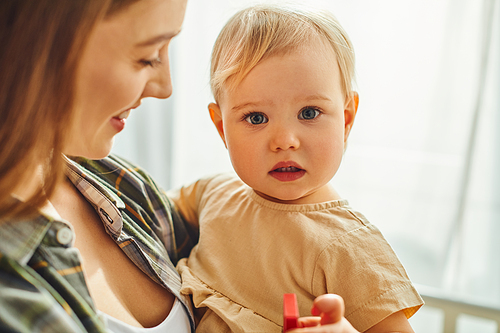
(186, 202)
(329, 312)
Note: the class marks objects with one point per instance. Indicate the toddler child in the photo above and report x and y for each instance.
(284, 105)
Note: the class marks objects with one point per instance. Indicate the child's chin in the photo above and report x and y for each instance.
(282, 198)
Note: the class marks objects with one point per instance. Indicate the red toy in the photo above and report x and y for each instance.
(290, 312)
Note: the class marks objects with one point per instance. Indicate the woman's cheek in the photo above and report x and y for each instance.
(126, 94)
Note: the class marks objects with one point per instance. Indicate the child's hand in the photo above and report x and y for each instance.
(329, 312)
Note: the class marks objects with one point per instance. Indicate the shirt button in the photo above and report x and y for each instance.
(64, 236)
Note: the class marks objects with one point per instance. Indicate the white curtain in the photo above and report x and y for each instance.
(423, 159)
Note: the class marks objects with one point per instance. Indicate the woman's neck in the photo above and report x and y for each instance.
(30, 185)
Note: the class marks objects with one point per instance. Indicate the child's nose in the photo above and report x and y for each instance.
(284, 138)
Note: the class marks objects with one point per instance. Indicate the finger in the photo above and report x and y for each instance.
(309, 321)
(329, 307)
(342, 326)
(331, 328)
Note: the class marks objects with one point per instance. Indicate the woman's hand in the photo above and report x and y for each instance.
(329, 317)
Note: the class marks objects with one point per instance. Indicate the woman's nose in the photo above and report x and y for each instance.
(284, 138)
(160, 84)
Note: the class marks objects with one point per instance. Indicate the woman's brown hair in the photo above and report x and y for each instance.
(41, 42)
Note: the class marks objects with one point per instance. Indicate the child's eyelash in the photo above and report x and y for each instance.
(251, 113)
(249, 117)
(246, 115)
(311, 107)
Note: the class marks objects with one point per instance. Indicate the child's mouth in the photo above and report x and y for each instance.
(287, 173)
(287, 169)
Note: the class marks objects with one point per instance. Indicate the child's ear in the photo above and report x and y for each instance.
(350, 110)
(216, 116)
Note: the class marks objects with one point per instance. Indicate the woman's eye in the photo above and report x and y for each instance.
(256, 118)
(151, 63)
(308, 114)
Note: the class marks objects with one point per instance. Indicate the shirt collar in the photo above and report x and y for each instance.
(19, 238)
(106, 203)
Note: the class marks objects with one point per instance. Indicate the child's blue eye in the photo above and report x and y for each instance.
(308, 113)
(256, 118)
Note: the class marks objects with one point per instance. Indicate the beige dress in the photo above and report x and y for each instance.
(251, 251)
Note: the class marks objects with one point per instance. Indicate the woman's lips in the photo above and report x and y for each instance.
(118, 122)
(287, 171)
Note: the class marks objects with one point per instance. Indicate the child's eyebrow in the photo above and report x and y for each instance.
(315, 97)
(250, 104)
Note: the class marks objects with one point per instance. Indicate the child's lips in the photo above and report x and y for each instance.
(287, 171)
(286, 166)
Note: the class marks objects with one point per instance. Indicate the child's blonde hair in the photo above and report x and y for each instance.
(261, 31)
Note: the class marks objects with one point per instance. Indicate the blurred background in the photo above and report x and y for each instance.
(423, 159)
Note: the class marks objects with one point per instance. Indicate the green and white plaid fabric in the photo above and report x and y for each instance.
(42, 287)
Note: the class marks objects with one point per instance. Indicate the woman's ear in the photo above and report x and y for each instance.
(350, 110)
(216, 116)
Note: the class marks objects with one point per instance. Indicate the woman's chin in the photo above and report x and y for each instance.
(90, 152)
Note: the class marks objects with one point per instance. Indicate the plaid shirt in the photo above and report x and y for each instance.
(42, 287)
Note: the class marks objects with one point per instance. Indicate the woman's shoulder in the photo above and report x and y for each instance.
(145, 204)
(141, 202)
(111, 167)
(120, 176)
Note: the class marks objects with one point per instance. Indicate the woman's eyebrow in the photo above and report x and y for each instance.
(157, 39)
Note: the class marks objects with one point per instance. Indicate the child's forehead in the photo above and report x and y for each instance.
(316, 45)
(285, 72)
